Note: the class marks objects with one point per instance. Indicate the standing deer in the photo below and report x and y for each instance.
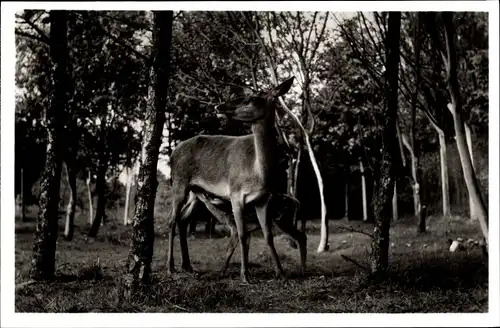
(238, 169)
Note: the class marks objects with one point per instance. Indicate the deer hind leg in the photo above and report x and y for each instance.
(178, 211)
(283, 219)
(186, 263)
(265, 223)
(298, 236)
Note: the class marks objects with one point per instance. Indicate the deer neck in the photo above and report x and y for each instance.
(265, 147)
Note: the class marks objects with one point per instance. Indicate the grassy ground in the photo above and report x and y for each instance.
(424, 275)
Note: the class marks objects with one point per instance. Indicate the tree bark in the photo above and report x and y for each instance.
(71, 208)
(386, 169)
(363, 191)
(23, 199)
(102, 167)
(346, 206)
(455, 108)
(417, 206)
(141, 250)
(468, 136)
(296, 169)
(395, 214)
(89, 193)
(100, 211)
(127, 195)
(44, 245)
(444, 173)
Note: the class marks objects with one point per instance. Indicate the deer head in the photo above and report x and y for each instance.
(255, 107)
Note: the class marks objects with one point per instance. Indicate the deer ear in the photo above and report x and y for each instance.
(283, 88)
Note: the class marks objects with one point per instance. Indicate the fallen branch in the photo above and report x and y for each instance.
(348, 259)
(351, 229)
(25, 284)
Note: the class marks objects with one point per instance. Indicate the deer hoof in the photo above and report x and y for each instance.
(280, 276)
(187, 268)
(245, 280)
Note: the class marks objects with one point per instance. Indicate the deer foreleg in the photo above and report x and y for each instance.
(242, 236)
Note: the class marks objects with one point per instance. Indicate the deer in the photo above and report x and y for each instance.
(238, 169)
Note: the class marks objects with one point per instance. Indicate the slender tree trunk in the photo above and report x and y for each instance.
(23, 201)
(71, 208)
(468, 135)
(455, 108)
(444, 174)
(44, 245)
(395, 214)
(346, 206)
(127, 195)
(386, 169)
(102, 168)
(141, 250)
(295, 189)
(414, 153)
(89, 193)
(363, 191)
(100, 211)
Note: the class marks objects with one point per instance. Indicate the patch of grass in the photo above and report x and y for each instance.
(424, 276)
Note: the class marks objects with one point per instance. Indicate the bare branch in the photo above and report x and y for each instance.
(375, 44)
(310, 32)
(348, 259)
(318, 40)
(42, 34)
(31, 36)
(351, 229)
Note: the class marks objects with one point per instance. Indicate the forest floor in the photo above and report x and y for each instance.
(424, 276)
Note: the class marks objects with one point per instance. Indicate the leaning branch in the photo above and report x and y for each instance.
(353, 261)
(323, 246)
(351, 229)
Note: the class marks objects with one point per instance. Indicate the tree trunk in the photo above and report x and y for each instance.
(414, 153)
(455, 108)
(70, 209)
(127, 195)
(346, 206)
(395, 214)
(23, 199)
(89, 193)
(444, 174)
(44, 245)
(472, 208)
(468, 170)
(363, 191)
(296, 170)
(100, 185)
(141, 250)
(386, 169)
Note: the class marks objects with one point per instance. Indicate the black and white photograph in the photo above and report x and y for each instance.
(250, 164)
